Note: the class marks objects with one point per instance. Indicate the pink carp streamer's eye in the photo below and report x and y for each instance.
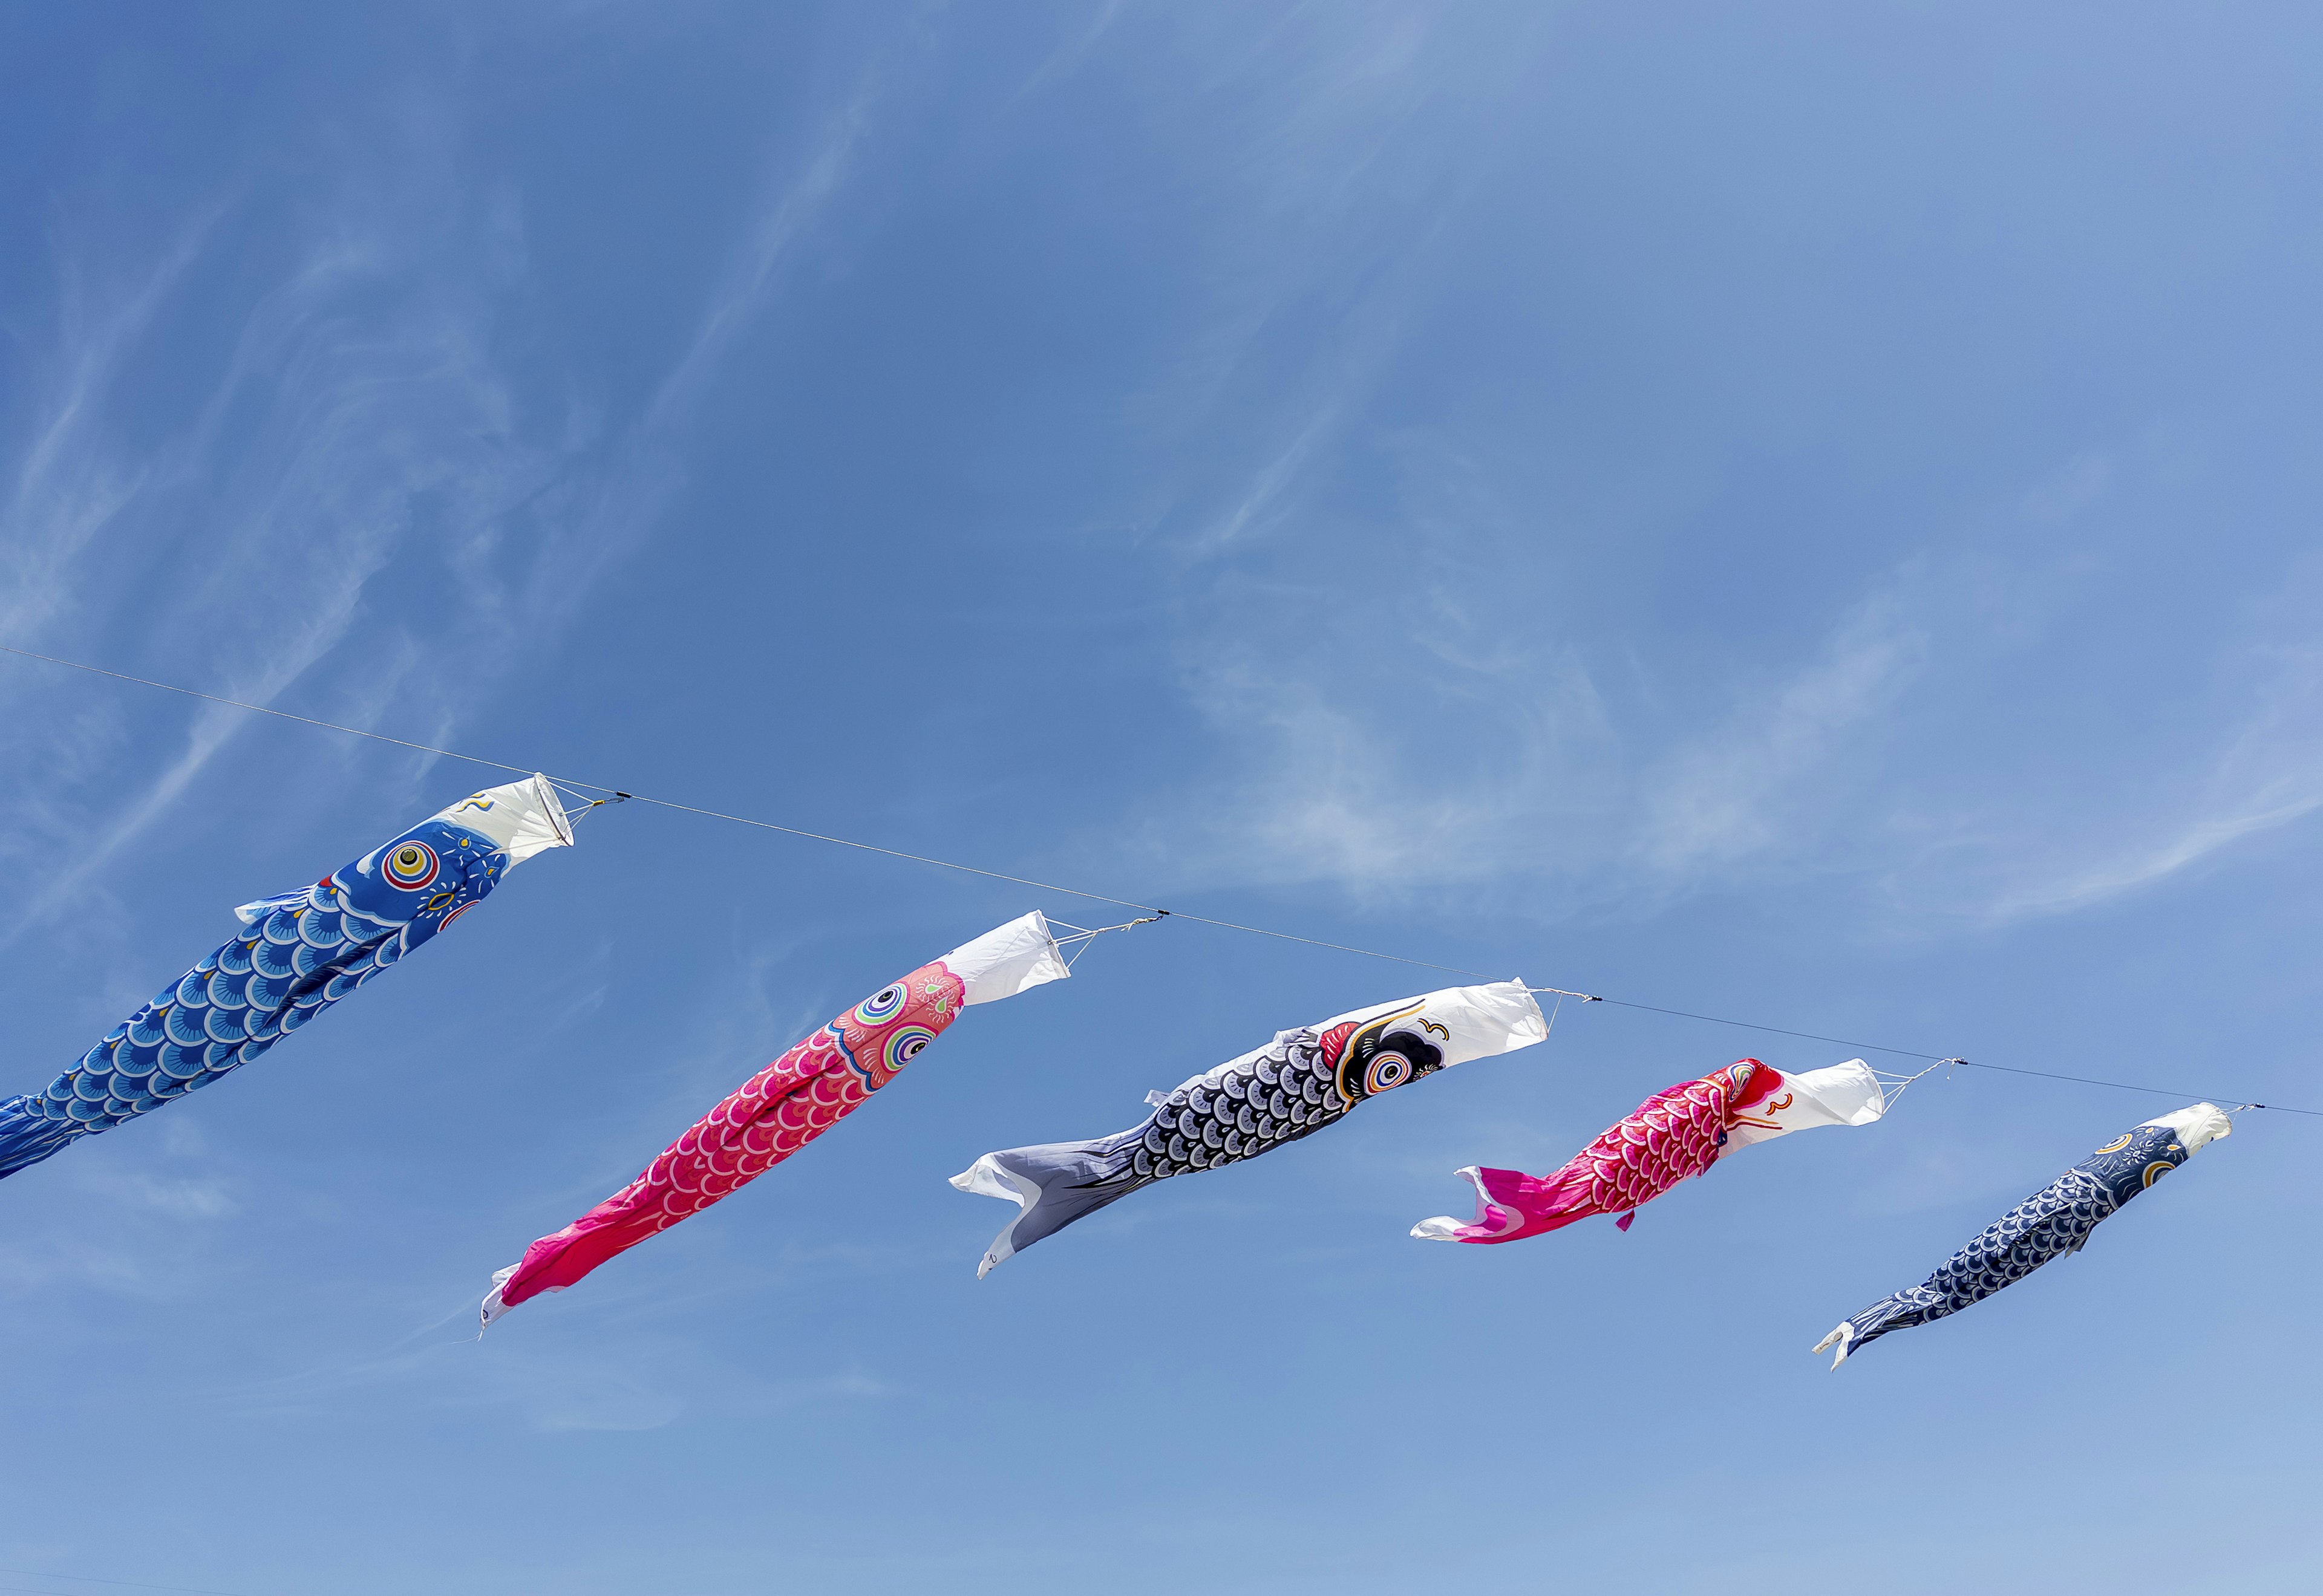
(906, 1044)
(882, 1005)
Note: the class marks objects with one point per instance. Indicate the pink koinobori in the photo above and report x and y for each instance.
(787, 1105)
(1672, 1134)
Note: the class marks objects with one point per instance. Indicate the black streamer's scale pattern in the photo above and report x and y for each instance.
(1287, 1091)
(2053, 1222)
(1304, 1080)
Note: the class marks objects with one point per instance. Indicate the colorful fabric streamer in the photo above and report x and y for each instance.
(2053, 1222)
(787, 1105)
(304, 950)
(1301, 1082)
(1672, 1134)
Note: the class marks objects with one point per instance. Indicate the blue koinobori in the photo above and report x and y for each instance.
(303, 951)
(2053, 1222)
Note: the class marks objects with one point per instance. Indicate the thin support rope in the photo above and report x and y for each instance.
(1892, 1086)
(617, 795)
(574, 817)
(262, 709)
(1084, 936)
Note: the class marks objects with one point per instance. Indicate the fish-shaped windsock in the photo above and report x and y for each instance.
(787, 1105)
(1672, 1134)
(302, 951)
(1303, 1081)
(2053, 1222)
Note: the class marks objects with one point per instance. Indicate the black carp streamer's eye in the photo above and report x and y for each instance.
(412, 866)
(882, 1005)
(1400, 1056)
(1386, 1072)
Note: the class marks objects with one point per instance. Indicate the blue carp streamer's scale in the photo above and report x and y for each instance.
(302, 952)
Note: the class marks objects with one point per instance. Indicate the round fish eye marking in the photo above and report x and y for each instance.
(1378, 1059)
(1385, 1072)
(2156, 1170)
(907, 1044)
(883, 1005)
(2115, 1146)
(412, 866)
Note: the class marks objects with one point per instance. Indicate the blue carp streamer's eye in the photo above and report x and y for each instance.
(907, 1044)
(2156, 1170)
(882, 1006)
(1387, 1071)
(410, 865)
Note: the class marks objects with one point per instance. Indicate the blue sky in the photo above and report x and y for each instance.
(1805, 515)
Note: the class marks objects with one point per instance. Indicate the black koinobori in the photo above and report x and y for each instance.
(2053, 1222)
(1301, 1082)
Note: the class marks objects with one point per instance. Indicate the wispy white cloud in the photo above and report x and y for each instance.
(1072, 51)
(360, 455)
(2079, 484)
(1735, 791)
(795, 208)
(67, 483)
(1397, 725)
(2265, 774)
(1503, 762)
(1317, 237)
(2198, 839)
(185, 1198)
(308, 466)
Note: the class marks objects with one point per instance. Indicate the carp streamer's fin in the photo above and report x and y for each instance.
(1055, 1185)
(1492, 1221)
(1844, 1337)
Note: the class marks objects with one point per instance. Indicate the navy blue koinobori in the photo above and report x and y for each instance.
(303, 951)
(2053, 1222)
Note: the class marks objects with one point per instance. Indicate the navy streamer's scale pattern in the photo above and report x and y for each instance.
(303, 952)
(2052, 1223)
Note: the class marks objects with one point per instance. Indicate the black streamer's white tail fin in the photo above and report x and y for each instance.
(1055, 1185)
